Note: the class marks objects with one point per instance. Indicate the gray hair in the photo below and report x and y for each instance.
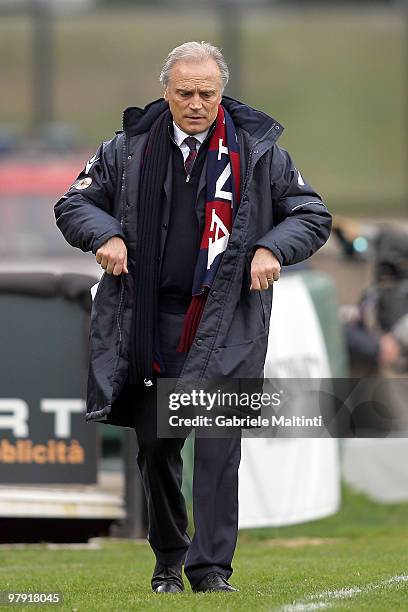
(194, 51)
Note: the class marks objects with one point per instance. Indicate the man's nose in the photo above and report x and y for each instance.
(195, 102)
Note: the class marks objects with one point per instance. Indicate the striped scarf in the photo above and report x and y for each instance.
(222, 201)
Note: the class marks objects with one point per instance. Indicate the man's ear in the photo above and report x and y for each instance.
(165, 95)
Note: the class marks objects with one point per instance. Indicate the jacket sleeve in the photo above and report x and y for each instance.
(303, 222)
(85, 213)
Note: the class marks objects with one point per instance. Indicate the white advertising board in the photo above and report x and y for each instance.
(283, 481)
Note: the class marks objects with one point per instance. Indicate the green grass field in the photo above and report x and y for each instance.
(303, 567)
(335, 78)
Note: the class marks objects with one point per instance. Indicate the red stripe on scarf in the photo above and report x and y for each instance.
(219, 131)
(156, 366)
(191, 321)
(235, 161)
(225, 214)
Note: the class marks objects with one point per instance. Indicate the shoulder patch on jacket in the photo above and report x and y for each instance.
(82, 183)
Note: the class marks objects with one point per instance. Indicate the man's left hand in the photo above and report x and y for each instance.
(265, 269)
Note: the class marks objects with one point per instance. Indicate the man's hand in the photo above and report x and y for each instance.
(112, 256)
(265, 268)
(389, 350)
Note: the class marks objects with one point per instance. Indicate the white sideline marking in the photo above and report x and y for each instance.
(303, 605)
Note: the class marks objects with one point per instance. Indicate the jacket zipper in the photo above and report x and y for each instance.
(251, 153)
(122, 277)
(243, 190)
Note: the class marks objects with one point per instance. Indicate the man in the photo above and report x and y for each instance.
(191, 211)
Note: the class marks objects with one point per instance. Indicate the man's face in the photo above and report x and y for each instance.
(193, 94)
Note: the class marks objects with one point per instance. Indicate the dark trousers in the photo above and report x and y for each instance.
(215, 482)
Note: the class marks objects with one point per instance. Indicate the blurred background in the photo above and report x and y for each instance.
(335, 75)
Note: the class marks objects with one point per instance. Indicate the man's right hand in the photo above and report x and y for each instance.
(112, 256)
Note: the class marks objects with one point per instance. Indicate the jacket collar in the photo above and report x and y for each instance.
(256, 123)
(138, 120)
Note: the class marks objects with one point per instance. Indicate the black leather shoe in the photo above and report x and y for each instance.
(213, 582)
(167, 579)
(168, 587)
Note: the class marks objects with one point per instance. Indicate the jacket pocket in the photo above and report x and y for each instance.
(246, 359)
(263, 308)
(264, 295)
(104, 310)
